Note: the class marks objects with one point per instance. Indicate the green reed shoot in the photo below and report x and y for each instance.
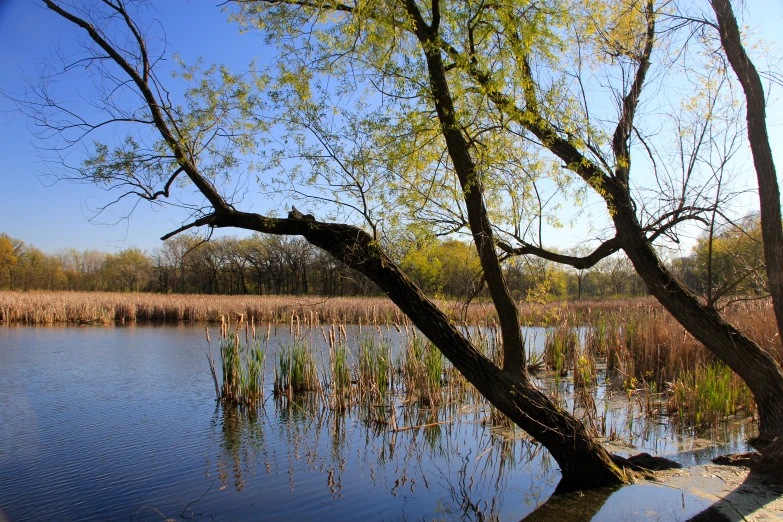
(374, 367)
(708, 394)
(340, 370)
(560, 344)
(242, 368)
(296, 369)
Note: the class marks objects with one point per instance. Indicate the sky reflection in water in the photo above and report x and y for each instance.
(121, 424)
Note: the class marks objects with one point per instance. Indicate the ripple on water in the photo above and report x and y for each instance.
(121, 423)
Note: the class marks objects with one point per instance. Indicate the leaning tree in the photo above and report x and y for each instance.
(465, 116)
(504, 79)
(491, 94)
(203, 139)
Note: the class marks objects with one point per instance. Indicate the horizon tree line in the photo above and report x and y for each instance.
(277, 265)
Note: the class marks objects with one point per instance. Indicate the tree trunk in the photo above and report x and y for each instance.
(755, 366)
(514, 359)
(583, 462)
(769, 192)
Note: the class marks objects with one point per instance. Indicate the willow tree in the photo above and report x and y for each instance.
(454, 117)
(204, 139)
(487, 101)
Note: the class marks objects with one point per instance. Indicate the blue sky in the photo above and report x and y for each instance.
(56, 217)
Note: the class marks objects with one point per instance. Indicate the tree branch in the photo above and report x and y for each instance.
(605, 249)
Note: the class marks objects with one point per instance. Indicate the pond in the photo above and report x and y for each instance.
(110, 423)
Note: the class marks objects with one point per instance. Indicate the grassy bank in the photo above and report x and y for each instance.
(46, 308)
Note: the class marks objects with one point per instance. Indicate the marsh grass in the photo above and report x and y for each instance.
(422, 371)
(641, 346)
(374, 376)
(561, 343)
(241, 364)
(340, 378)
(46, 308)
(296, 369)
(709, 394)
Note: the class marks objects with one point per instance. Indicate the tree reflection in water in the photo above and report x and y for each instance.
(418, 460)
(440, 462)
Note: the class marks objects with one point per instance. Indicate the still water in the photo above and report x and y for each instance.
(121, 424)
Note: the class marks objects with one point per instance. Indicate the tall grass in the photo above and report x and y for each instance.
(241, 364)
(374, 371)
(421, 368)
(641, 345)
(559, 347)
(709, 394)
(45, 308)
(296, 369)
(339, 379)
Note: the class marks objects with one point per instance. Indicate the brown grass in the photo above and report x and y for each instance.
(46, 308)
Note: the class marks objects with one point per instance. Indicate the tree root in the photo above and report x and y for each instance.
(643, 465)
(768, 460)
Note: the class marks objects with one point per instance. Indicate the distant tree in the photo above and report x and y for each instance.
(422, 264)
(130, 267)
(731, 262)
(460, 269)
(7, 261)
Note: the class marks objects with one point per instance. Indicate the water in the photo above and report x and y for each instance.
(121, 424)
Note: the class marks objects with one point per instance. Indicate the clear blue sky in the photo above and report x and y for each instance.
(56, 217)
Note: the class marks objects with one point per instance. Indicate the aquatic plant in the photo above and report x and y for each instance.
(339, 379)
(559, 347)
(241, 364)
(708, 394)
(374, 371)
(422, 371)
(296, 370)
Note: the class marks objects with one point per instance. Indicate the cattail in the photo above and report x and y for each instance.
(206, 329)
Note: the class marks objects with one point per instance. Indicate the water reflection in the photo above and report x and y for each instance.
(438, 463)
(447, 461)
(120, 423)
